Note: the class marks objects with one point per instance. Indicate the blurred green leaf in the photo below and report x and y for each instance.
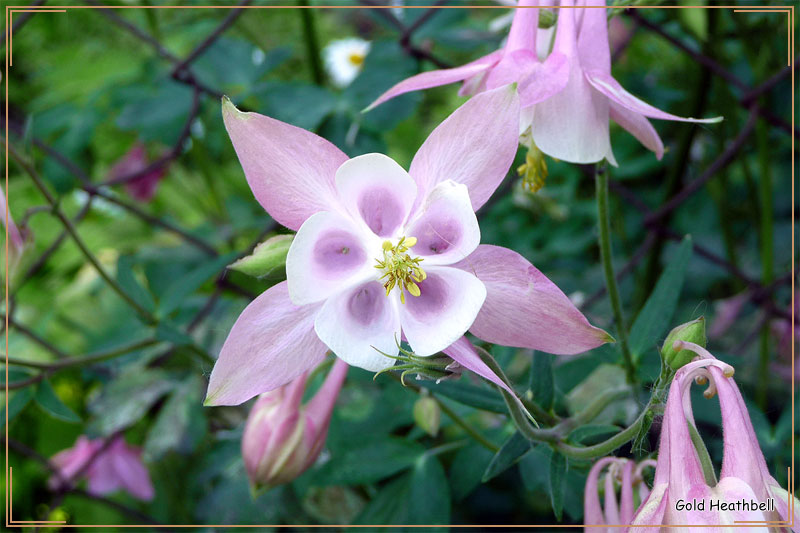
(370, 463)
(654, 318)
(180, 423)
(131, 286)
(16, 403)
(468, 394)
(126, 400)
(266, 257)
(49, 401)
(592, 433)
(541, 379)
(510, 452)
(467, 468)
(177, 293)
(299, 104)
(558, 471)
(157, 112)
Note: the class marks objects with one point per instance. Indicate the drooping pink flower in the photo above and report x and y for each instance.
(283, 438)
(382, 254)
(567, 99)
(135, 160)
(115, 467)
(679, 476)
(614, 511)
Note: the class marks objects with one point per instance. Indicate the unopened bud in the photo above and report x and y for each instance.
(428, 415)
(283, 438)
(266, 257)
(694, 331)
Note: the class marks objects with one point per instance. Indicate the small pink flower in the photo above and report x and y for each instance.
(614, 511)
(568, 98)
(679, 476)
(383, 254)
(135, 160)
(117, 467)
(282, 438)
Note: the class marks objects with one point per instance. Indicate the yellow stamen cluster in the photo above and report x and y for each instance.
(534, 170)
(356, 59)
(400, 269)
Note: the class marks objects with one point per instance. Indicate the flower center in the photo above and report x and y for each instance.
(356, 59)
(400, 269)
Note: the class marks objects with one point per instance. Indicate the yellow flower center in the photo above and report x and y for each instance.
(356, 59)
(400, 269)
(534, 170)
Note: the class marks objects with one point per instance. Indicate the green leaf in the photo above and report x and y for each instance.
(655, 316)
(126, 400)
(16, 403)
(533, 465)
(555, 487)
(168, 332)
(49, 401)
(190, 282)
(467, 469)
(471, 395)
(131, 285)
(299, 104)
(15, 375)
(420, 497)
(541, 379)
(369, 463)
(180, 423)
(593, 433)
(512, 450)
(266, 257)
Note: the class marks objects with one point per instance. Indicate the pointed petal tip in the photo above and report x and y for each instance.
(230, 109)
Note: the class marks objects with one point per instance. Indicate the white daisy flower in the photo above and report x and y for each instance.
(344, 59)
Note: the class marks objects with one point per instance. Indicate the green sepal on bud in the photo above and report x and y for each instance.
(428, 415)
(266, 257)
(694, 331)
(547, 19)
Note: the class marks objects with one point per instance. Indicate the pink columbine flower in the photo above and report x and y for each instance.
(382, 254)
(679, 476)
(283, 438)
(568, 98)
(135, 160)
(614, 511)
(116, 467)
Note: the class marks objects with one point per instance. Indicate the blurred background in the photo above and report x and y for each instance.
(117, 112)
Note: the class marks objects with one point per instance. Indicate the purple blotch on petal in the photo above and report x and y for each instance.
(337, 252)
(381, 211)
(432, 299)
(366, 303)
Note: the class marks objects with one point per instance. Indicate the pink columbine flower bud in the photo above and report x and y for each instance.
(282, 437)
(144, 187)
(107, 468)
(570, 92)
(622, 473)
(681, 495)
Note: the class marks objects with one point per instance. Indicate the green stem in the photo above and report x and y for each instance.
(604, 227)
(74, 234)
(607, 446)
(702, 454)
(312, 44)
(471, 431)
(86, 360)
(766, 227)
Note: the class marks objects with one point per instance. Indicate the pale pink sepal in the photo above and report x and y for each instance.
(525, 309)
(271, 343)
(290, 170)
(475, 146)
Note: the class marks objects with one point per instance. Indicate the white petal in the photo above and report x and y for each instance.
(377, 191)
(357, 323)
(446, 228)
(328, 254)
(448, 303)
